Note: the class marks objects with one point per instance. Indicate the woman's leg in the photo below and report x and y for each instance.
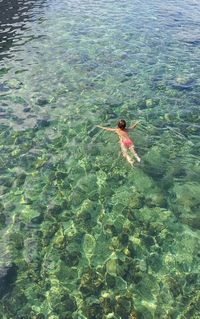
(125, 154)
(134, 153)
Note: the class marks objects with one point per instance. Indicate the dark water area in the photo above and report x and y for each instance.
(14, 16)
(83, 235)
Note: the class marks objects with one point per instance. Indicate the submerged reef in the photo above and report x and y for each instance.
(98, 240)
(82, 234)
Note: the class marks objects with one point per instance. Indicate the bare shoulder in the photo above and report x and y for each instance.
(122, 133)
(118, 131)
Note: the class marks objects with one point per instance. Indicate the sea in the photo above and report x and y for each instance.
(83, 234)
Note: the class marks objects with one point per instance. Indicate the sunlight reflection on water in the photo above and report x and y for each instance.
(85, 236)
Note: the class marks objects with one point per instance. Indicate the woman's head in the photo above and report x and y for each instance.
(122, 124)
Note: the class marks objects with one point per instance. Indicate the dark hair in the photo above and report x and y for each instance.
(122, 124)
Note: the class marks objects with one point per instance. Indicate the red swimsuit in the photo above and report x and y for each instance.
(127, 142)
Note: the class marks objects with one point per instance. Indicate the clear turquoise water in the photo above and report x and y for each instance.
(84, 235)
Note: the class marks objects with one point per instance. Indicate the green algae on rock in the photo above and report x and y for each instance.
(83, 235)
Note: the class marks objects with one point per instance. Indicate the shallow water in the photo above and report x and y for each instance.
(84, 235)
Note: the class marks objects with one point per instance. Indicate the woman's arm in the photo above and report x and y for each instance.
(133, 126)
(107, 128)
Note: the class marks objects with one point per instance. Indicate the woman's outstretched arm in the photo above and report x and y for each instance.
(107, 128)
(133, 126)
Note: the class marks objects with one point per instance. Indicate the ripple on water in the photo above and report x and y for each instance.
(83, 235)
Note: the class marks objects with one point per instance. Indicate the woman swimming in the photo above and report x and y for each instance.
(124, 139)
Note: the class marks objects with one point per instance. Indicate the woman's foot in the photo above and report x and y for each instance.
(131, 162)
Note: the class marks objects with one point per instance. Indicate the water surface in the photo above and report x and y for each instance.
(84, 235)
